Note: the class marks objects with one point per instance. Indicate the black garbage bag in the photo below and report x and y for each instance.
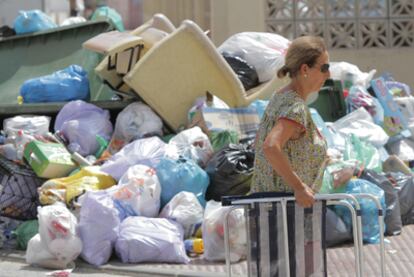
(393, 223)
(230, 171)
(335, 229)
(6, 31)
(404, 185)
(246, 73)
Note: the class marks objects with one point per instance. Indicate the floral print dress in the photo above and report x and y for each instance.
(307, 154)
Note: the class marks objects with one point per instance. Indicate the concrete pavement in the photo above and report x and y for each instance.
(12, 263)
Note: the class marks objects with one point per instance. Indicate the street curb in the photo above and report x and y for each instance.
(120, 268)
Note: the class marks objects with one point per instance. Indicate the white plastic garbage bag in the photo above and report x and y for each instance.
(137, 193)
(406, 105)
(361, 124)
(213, 233)
(192, 144)
(146, 151)
(264, 51)
(33, 125)
(73, 20)
(55, 222)
(403, 148)
(57, 237)
(339, 71)
(185, 209)
(98, 227)
(338, 139)
(38, 254)
(136, 121)
(143, 239)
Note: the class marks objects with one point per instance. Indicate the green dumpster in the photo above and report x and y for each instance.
(330, 103)
(28, 56)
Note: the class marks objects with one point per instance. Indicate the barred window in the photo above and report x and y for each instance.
(345, 23)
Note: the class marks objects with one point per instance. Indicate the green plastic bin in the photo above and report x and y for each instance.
(28, 56)
(330, 103)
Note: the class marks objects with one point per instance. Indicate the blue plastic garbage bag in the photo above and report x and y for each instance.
(68, 84)
(370, 225)
(8, 238)
(32, 21)
(181, 175)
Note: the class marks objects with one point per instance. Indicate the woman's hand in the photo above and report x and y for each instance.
(304, 196)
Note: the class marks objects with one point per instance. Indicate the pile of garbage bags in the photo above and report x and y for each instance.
(93, 186)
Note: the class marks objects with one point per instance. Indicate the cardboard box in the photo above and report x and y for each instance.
(395, 123)
(49, 160)
(244, 121)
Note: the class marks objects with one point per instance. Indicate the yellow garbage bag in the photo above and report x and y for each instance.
(67, 188)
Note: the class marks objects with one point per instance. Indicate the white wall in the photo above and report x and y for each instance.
(234, 16)
(399, 62)
(178, 10)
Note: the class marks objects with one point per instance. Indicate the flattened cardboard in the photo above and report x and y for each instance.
(244, 121)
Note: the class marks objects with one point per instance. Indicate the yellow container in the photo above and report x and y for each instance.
(194, 246)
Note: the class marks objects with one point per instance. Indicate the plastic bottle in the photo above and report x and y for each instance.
(91, 158)
(60, 137)
(19, 100)
(103, 144)
(349, 80)
(9, 151)
(80, 159)
(194, 246)
(21, 140)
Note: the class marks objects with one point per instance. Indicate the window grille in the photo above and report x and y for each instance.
(345, 23)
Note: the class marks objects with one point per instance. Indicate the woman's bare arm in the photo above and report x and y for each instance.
(273, 150)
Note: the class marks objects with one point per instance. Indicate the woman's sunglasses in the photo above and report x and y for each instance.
(325, 67)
